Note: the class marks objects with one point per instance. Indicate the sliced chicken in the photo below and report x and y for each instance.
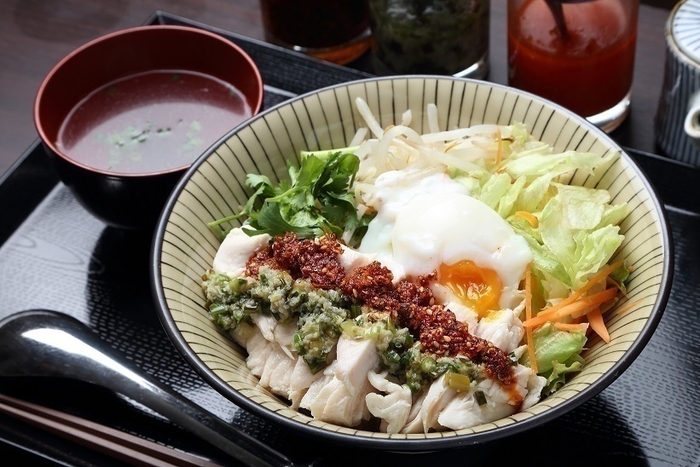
(266, 324)
(355, 359)
(300, 381)
(257, 348)
(284, 336)
(277, 370)
(503, 328)
(339, 397)
(464, 410)
(241, 333)
(324, 378)
(392, 406)
(462, 312)
(237, 247)
(269, 362)
(425, 413)
(352, 259)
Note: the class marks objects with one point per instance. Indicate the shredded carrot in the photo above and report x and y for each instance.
(528, 292)
(571, 326)
(627, 307)
(528, 217)
(528, 316)
(603, 273)
(499, 152)
(595, 318)
(614, 283)
(583, 312)
(579, 306)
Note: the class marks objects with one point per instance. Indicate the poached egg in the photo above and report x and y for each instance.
(431, 224)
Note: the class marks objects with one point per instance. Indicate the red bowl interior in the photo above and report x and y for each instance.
(136, 50)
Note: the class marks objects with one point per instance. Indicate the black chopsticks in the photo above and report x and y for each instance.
(115, 443)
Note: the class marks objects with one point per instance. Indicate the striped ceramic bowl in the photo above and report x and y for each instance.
(214, 187)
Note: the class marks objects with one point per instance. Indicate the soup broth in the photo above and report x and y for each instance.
(151, 122)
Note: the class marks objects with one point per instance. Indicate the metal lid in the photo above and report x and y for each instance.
(684, 24)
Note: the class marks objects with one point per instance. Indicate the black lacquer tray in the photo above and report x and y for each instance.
(54, 255)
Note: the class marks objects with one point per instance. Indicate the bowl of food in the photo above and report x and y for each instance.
(125, 115)
(412, 263)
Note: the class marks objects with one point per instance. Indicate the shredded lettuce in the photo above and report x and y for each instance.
(555, 346)
(571, 229)
(530, 197)
(538, 164)
(556, 377)
(558, 353)
(577, 231)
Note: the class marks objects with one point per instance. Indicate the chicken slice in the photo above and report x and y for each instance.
(241, 333)
(325, 378)
(462, 312)
(268, 361)
(393, 406)
(235, 250)
(339, 397)
(284, 335)
(429, 407)
(300, 381)
(355, 359)
(277, 371)
(266, 324)
(503, 328)
(256, 346)
(352, 259)
(464, 411)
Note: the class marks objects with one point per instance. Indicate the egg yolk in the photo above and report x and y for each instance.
(478, 288)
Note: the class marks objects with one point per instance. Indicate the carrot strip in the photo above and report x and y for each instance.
(528, 293)
(614, 283)
(583, 312)
(499, 152)
(571, 326)
(595, 318)
(627, 307)
(575, 296)
(528, 217)
(528, 316)
(572, 308)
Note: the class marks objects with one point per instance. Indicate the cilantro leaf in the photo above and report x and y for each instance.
(317, 199)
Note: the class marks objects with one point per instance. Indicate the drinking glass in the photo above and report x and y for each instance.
(444, 37)
(577, 53)
(337, 31)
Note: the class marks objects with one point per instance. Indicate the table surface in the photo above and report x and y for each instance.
(36, 34)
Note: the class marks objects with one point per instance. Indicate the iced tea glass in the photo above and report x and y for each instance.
(337, 31)
(577, 53)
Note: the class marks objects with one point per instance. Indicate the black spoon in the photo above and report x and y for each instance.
(48, 343)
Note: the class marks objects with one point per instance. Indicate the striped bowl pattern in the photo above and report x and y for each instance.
(214, 187)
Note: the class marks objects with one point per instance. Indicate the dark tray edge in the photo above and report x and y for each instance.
(25, 184)
(675, 181)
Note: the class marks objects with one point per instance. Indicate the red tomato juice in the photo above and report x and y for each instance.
(589, 71)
